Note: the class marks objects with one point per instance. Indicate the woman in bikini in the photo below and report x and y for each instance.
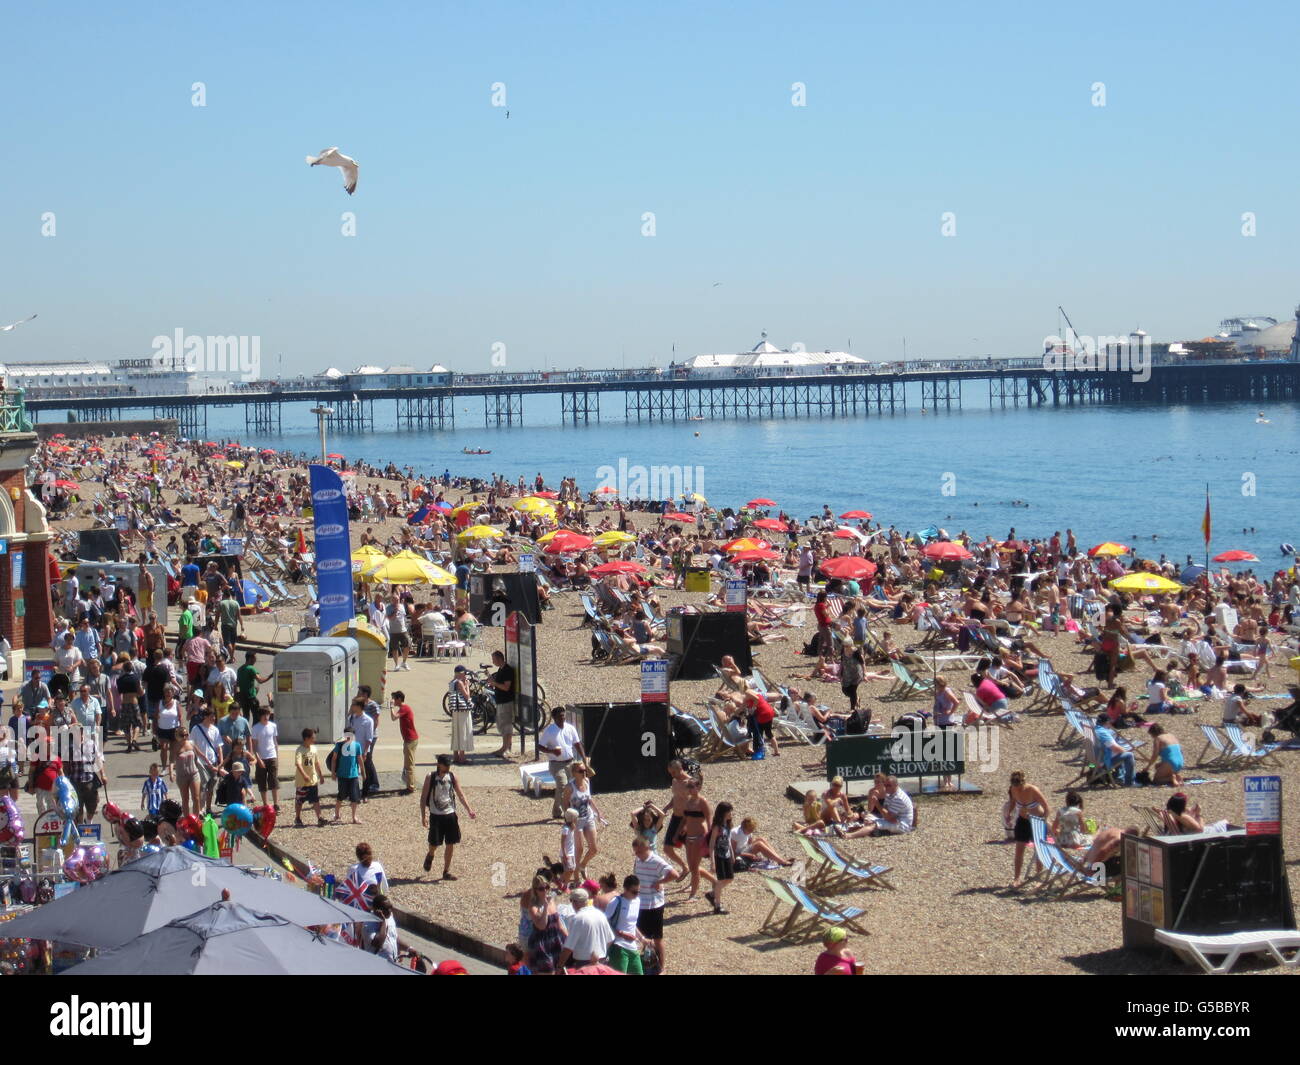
(697, 816)
(1024, 801)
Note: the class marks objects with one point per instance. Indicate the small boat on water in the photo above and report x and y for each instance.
(474, 451)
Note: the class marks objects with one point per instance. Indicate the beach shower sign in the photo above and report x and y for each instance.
(904, 753)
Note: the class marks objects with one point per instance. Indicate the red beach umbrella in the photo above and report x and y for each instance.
(761, 503)
(860, 514)
(945, 551)
(848, 567)
(617, 566)
(765, 554)
(769, 523)
(567, 542)
(1235, 556)
(546, 494)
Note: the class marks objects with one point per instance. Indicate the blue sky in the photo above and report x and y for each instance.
(822, 222)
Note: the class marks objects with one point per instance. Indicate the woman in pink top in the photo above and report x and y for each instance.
(990, 696)
(835, 960)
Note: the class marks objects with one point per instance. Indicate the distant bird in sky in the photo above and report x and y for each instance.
(14, 325)
(716, 284)
(333, 157)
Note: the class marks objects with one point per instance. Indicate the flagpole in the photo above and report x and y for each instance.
(1207, 545)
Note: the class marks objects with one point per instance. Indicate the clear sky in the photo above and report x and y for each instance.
(822, 222)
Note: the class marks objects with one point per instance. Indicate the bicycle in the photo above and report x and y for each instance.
(483, 705)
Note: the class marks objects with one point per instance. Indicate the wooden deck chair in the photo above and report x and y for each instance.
(905, 685)
(1153, 819)
(1061, 876)
(1224, 758)
(1243, 747)
(819, 874)
(856, 874)
(827, 912)
(787, 919)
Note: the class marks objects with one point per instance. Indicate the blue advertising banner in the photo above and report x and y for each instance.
(333, 548)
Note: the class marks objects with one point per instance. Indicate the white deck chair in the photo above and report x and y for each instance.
(1233, 945)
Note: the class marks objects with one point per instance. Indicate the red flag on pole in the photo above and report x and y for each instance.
(301, 546)
(1205, 522)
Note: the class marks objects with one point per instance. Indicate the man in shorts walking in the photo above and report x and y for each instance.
(266, 744)
(438, 813)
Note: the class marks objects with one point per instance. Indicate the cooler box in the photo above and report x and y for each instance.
(310, 685)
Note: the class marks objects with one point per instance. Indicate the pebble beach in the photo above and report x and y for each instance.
(952, 909)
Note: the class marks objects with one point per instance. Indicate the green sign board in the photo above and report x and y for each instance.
(903, 753)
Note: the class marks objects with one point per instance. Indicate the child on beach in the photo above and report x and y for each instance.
(569, 847)
(153, 792)
(647, 819)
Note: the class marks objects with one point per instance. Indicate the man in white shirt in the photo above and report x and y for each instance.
(560, 742)
(897, 817)
(729, 525)
(266, 742)
(589, 935)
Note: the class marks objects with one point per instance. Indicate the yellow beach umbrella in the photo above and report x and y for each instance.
(694, 497)
(471, 505)
(745, 543)
(365, 557)
(1145, 582)
(235, 464)
(613, 536)
(408, 568)
(530, 504)
(480, 532)
(1108, 550)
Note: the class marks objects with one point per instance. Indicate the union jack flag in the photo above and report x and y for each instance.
(355, 892)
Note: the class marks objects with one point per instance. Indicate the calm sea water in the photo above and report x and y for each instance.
(1133, 474)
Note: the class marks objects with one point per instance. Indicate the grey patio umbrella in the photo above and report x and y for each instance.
(159, 888)
(229, 939)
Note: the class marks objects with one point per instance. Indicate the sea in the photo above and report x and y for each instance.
(1134, 474)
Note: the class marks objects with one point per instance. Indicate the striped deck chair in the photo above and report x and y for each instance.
(1059, 874)
(827, 912)
(820, 873)
(905, 685)
(871, 876)
(1153, 820)
(1243, 746)
(717, 744)
(788, 918)
(1224, 757)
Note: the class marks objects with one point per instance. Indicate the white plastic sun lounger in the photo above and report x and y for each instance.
(1233, 946)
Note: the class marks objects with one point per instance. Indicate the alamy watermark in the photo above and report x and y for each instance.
(649, 482)
(239, 356)
(1110, 354)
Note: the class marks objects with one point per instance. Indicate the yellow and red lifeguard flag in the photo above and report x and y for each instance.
(1205, 522)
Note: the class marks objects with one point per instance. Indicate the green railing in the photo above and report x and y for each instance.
(13, 415)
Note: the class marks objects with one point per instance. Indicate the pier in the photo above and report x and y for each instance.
(653, 394)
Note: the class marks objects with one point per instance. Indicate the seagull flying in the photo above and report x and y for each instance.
(333, 157)
(14, 325)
